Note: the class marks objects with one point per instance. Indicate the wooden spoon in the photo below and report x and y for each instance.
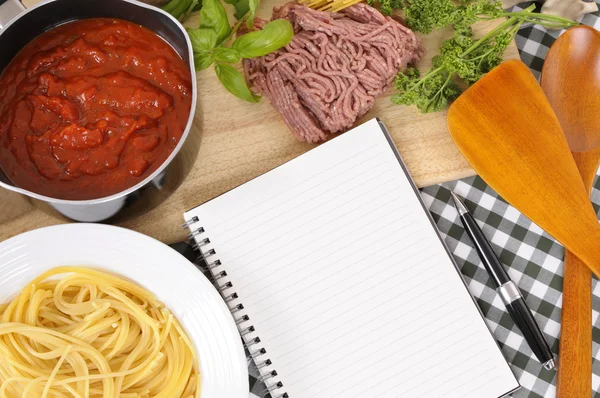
(571, 81)
(506, 129)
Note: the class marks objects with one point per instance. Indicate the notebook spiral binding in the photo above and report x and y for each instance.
(248, 332)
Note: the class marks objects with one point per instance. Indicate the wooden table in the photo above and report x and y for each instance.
(240, 141)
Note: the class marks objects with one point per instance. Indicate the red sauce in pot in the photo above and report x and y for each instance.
(91, 108)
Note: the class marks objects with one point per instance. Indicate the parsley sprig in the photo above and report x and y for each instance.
(462, 57)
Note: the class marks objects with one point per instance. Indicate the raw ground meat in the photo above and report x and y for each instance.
(335, 67)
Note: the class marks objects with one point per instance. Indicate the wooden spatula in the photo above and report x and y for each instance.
(506, 129)
(571, 81)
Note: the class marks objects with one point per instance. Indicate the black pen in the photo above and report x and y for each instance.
(515, 304)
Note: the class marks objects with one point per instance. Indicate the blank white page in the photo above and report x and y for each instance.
(346, 281)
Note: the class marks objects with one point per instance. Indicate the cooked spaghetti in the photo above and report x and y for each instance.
(90, 334)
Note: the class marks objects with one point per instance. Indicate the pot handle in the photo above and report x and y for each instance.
(8, 10)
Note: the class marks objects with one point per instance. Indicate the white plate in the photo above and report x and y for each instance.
(158, 268)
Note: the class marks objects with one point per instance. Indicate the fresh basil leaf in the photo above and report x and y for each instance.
(275, 35)
(213, 16)
(203, 60)
(252, 5)
(202, 39)
(224, 54)
(241, 7)
(234, 82)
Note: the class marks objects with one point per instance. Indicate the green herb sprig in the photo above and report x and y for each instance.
(214, 44)
(462, 57)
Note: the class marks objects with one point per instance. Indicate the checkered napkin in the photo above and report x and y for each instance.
(533, 257)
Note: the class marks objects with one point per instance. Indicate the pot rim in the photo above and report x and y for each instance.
(175, 151)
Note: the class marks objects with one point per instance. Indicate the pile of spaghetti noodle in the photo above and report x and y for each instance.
(90, 334)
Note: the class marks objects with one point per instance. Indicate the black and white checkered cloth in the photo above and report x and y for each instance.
(535, 41)
(534, 259)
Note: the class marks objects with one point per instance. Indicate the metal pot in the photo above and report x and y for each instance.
(19, 26)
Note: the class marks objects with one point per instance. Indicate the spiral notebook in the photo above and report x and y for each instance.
(340, 282)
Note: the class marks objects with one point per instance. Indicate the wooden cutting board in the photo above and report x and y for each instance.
(240, 141)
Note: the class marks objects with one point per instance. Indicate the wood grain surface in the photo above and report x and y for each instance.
(571, 81)
(574, 377)
(507, 129)
(240, 141)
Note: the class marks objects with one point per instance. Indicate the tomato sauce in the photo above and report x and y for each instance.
(91, 108)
